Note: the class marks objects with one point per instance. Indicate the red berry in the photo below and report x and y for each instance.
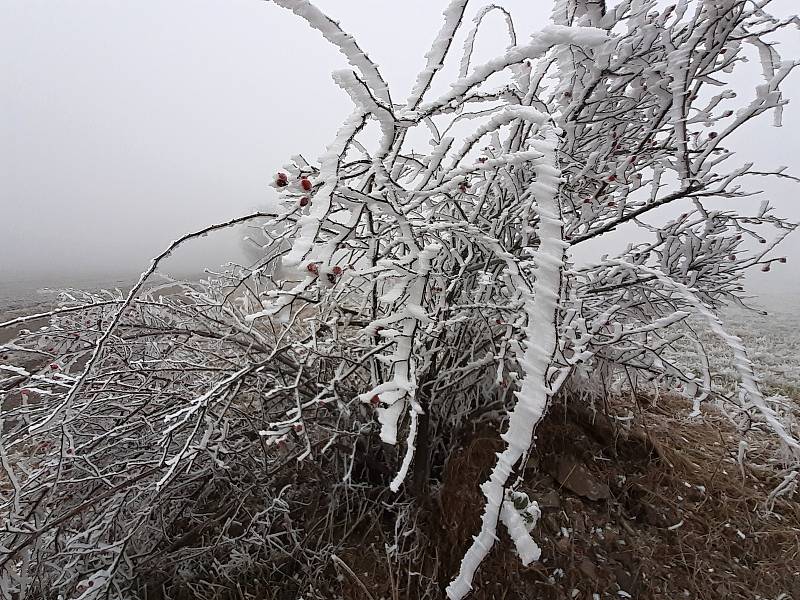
(375, 400)
(499, 321)
(298, 427)
(612, 177)
(54, 367)
(282, 177)
(337, 270)
(313, 268)
(304, 201)
(306, 184)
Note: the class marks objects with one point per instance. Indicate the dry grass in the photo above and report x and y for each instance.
(683, 518)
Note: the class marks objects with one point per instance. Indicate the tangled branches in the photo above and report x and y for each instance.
(183, 422)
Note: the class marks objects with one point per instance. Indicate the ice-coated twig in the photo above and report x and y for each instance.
(541, 307)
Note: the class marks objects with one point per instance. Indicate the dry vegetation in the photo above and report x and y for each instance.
(317, 424)
(655, 509)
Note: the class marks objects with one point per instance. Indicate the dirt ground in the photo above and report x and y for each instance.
(659, 508)
(660, 511)
(649, 505)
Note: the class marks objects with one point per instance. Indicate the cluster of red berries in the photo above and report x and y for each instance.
(333, 275)
(282, 181)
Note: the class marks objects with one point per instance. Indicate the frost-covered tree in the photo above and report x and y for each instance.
(405, 292)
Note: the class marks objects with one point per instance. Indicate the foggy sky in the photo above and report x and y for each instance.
(124, 124)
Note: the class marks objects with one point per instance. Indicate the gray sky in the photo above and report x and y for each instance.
(126, 123)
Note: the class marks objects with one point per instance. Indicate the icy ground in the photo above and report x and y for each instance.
(772, 341)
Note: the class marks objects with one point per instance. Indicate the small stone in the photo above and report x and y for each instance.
(577, 479)
(550, 499)
(587, 568)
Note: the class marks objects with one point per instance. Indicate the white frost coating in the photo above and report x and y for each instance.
(410, 447)
(519, 523)
(331, 31)
(469, 44)
(503, 117)
(401, 390)
(389, 417)
(749, 384)
(677, 66)
(532, 397)
(347, 304)
(540, 43)
(361, 97)
(329, 165)
(452, 19)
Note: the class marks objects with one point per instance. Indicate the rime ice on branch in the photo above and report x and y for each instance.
(402, 294)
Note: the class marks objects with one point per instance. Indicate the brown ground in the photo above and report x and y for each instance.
(674, 516)
(655, 508)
